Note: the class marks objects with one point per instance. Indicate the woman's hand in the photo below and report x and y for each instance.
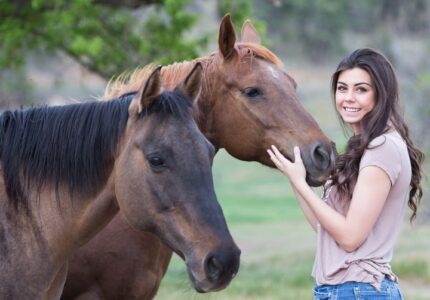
(295, 171)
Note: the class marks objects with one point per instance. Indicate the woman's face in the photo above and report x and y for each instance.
(355, 96)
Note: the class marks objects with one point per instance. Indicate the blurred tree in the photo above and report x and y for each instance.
(101, 35)
(116, 3)
(15, 90)
(397, 15)
(417, 89)
(405, 16)
(240, 11)
(315, 26)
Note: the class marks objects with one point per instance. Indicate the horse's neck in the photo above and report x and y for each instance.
(54, 222)
(29, 269)
(41, 227)
(23, 252)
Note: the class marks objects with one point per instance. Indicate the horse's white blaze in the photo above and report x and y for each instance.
(273, 72)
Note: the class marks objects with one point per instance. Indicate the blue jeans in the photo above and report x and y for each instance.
(358, 291)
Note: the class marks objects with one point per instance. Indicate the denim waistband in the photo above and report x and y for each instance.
(358, 290)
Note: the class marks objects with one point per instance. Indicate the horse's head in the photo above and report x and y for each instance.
(256, 105)
(163, 181)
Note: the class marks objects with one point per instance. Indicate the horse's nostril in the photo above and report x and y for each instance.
(221, 266)
(320, 157)
(213, 268)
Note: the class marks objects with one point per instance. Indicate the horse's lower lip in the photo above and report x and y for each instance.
(315, 182)
(196, 285)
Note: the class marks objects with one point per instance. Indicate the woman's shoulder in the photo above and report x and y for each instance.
(387, 151)
(390, 140)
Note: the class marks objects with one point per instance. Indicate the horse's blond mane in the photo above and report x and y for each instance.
(172, 74)
(129, 82)
(258, 51)
(175, 73)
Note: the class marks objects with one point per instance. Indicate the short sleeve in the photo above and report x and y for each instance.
(383, 153)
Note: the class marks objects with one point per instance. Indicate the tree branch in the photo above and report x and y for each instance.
(114, 3)
(127, 3)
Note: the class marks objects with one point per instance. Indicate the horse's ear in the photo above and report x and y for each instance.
(150, 90)
(227, 38)
(191, 85)
(249, 34)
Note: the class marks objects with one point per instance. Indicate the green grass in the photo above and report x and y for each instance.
(277, 243)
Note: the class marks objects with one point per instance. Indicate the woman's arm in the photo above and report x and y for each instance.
(370, 193)
(307, 211)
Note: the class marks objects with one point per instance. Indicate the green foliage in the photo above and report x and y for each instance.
(316, 26)
(240, 11)
(15, 90)
(168, 38)
(105, 39)
(419, 90)
(320, 29)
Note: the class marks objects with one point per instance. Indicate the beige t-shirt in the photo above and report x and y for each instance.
(370, 263)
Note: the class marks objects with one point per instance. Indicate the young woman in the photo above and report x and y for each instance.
(359, 219)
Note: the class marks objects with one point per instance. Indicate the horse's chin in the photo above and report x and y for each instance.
(201, 286)
(205, 286)
(315, 182)
(202, 283)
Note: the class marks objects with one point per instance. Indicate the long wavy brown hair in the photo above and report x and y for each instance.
(386, 111)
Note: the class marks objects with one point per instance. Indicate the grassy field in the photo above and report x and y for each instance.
(278, 245)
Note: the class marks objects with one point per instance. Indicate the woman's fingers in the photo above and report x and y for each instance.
(275, 160)
(272, 156)
(279, 155)
(291, 169)
(297, 154)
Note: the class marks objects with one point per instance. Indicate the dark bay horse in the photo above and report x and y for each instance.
(67, 170)
(247, 103)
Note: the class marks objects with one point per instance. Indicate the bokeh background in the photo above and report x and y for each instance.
(58, 52)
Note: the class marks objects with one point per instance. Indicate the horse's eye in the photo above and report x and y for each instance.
(252, 92)
(156, 161)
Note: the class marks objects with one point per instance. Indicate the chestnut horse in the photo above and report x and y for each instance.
(247, 103)
(67, 171)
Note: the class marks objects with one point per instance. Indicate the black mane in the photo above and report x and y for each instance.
(70, 146)
(170, 103)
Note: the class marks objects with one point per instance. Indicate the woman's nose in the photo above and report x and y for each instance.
(349, 96)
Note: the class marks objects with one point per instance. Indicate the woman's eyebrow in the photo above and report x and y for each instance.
(358, 83)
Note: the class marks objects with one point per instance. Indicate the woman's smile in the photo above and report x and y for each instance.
(355, 96)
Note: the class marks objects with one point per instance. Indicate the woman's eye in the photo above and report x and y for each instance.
(252, 92)
(341, 88)
(156, 161)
